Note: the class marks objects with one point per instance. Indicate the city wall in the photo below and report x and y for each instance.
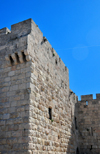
(36, 105)
(39, 114)
(88, 119)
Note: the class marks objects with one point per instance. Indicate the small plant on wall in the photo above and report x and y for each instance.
(52, 120)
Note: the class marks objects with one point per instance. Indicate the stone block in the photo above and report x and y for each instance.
(12, 73)
(22, 86)
(7, 79)
(6, 116)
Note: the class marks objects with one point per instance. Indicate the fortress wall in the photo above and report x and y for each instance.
(36, 105)
(58, 134)
(50, 89)
(49, 59)
(89, 124)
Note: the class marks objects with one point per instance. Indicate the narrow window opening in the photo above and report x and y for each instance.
(17, 57)
(11, 60)
(24, 57)
(56, 62)
(91, 147)
(77, 151)
(58, 137)
(75, 123)
(86, 102)
(50, 113)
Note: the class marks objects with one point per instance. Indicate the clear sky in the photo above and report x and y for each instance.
(73, 29)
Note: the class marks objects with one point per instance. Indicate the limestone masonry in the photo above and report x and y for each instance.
(39, 114)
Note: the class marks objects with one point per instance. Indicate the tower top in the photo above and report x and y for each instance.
(21, 29)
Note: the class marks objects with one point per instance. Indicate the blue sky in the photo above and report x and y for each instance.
(73, 29)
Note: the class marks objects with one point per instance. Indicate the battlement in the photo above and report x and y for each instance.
(4, 31)
(86, 97)
(21, 29)
(89, 97)
(26, 38)
(97, 96)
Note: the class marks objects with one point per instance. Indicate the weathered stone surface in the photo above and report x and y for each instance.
(39, 114)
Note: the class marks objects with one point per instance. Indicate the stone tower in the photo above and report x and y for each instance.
(36, 105)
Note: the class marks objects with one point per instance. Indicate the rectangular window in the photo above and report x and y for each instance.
(75, 123)
(50, 113)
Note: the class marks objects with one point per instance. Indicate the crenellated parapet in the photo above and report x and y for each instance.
(97, 96)
(4, 31)
(86, 97)
(25, 37)
(20, 29)
(89, 97)
(26, 42)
